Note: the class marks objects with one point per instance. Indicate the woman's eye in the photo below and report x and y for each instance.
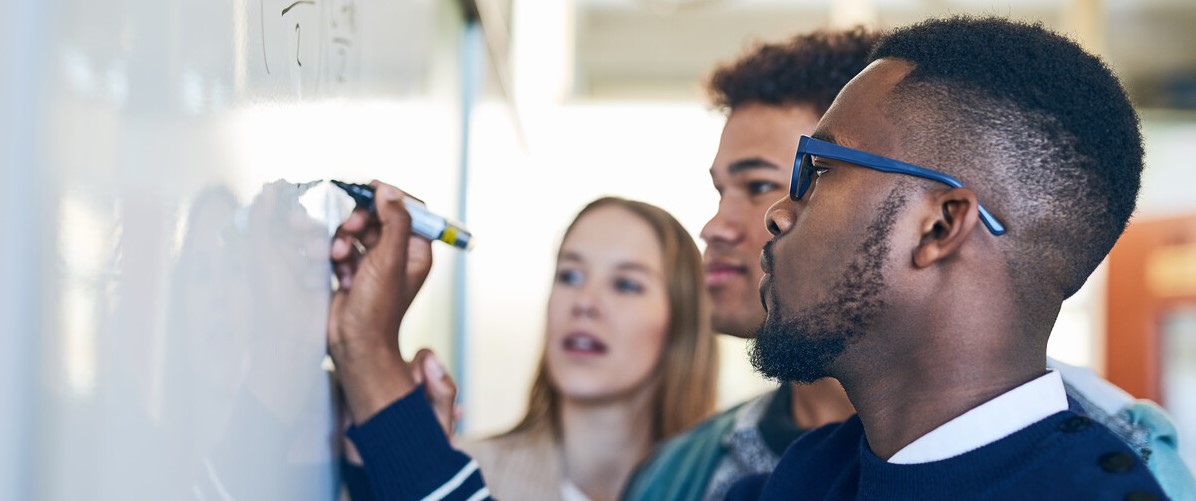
(762, 187)
(569, 277)
(819, 171)
(627, 285)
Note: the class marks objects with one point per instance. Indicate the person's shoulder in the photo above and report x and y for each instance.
(705, 437)
(518, 465)
(1164, 460)
(1091, 390)
(749, 488)
(1070, 454)
(681, 467)
(1141, 424)
(713, 428)
(507, 446)
(829, 443)
(816, 466)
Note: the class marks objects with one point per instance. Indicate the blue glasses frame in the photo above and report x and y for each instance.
(803, 171)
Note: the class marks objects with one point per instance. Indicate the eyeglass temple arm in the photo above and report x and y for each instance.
(883, 164)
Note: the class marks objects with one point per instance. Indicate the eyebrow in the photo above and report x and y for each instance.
(824, 136)
(635, 267)
(623, 266)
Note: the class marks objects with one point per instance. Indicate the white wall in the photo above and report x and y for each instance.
(164, 294)
(20, 24)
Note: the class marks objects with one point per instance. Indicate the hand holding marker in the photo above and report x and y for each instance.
(423, 222)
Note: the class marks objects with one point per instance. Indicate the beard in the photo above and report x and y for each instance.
(803, 347)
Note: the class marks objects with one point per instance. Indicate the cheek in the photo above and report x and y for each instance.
(557, 310)
(644, 338)
(812, 257)
(757, 231)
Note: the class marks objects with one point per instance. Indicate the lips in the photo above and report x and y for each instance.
(766, 258)
(583, 343)
(720, 272)
(764, 291)
(766, 266)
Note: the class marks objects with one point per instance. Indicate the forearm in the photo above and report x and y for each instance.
(372, 378)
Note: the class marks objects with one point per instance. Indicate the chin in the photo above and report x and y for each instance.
(802, 349)
(737, 323)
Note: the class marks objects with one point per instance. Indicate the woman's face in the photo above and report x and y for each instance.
(608, 311)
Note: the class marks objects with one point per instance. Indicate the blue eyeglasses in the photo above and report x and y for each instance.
(803, 171)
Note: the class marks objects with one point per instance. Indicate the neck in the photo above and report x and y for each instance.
(602, 442)
(819, 403)
(937, 364)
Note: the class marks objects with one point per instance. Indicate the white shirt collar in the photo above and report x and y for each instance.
(991, 421)
(571, 492)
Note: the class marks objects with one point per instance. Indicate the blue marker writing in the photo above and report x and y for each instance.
(423, 223)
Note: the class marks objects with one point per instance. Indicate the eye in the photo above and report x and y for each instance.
(628, 286)
(569, 277)
(762, 187)
(817, 166)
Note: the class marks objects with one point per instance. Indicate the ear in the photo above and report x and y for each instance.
(945, 229)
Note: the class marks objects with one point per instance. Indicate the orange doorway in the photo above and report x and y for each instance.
(1151, 340)
(1151, 296)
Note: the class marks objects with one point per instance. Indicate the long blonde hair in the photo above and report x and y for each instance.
(686, 376)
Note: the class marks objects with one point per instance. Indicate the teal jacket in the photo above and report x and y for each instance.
(703, 463)
(682, 467)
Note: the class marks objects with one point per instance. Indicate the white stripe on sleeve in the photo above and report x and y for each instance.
(453, 483)
(481, 494)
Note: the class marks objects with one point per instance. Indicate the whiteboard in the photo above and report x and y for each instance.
(165, 279)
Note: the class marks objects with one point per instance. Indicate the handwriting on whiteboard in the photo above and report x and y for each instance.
(311, 41)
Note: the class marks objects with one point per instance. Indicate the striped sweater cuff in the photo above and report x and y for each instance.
(407, 456)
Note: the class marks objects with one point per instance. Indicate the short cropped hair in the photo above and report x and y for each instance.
(807, 69)
(1041, 129)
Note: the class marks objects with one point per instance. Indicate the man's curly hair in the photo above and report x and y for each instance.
(807, 69)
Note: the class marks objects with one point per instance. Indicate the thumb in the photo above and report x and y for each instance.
(396, 229)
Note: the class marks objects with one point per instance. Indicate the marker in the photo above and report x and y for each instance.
(423, 223)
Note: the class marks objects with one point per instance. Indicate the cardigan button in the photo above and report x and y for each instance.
(1074, 424)
(1116, 462)
(1140, 496)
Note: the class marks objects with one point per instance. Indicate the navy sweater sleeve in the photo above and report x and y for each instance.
(356, 482)
(407, 456)
(747, 488)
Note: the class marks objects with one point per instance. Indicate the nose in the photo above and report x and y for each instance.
(585, 302)
(726, 226)
(779, 218)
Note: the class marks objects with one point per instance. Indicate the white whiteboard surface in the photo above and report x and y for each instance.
(165, 278)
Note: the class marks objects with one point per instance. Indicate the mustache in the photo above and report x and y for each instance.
(767, 262)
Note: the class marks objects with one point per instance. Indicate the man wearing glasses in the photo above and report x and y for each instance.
(773, 94)
(932, 314)
(959, 189)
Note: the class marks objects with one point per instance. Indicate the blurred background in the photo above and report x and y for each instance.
(589, 97)
(162, 243)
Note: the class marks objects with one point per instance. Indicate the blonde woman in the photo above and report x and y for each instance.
(629, 359)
